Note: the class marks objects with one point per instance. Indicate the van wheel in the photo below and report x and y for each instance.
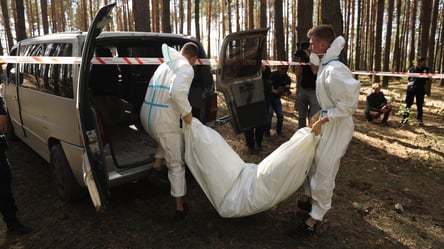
(67, 187)
(9, 133)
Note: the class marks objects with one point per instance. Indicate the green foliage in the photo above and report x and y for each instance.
(404, 111)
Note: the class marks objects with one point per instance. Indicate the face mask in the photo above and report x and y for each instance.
(314, 59)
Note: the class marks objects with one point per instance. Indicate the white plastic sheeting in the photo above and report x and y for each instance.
(236, 188)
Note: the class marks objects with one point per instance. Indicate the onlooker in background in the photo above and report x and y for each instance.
(377, 105)
(416, 88)
(254, 136)
(306, 101)
(280, 86)
(7, 202)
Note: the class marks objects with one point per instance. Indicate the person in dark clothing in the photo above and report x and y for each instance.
(7, 202)
(254, 136)
(416, 88)
(306, 100)
(280, 86)
(377, 105)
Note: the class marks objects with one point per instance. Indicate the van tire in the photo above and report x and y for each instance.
(67, 187)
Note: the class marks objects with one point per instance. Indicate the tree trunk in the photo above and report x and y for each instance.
(237, 16)
(245, 8)
(166, 23)
(331, 14)
(378, 39)
(189, 17)
(371, 36)
(263, 22)
(358, 36)
(1, 53)
(37, 15)
(347, 11)
(125, 16)
(20, 27)
(279, 31)
(222, 21)
(141, 10)
(196, 18)
(209, 28)
(181, 17)
(431, 52)
(44, 6)
(230, 29)
(396, 53)
(6, 23)
(426, 9)
(250, 14)
(155, 12)
(413, 41)
(442, 48)
(294, 29)
(62, 17)
(84, 16)
(30, 18)
(304, 18)
(387, 44)
(352, 35)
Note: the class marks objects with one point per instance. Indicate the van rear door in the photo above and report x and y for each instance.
(239, 78)
(94, 165)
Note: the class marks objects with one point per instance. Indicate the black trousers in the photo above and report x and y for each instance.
(7, 202)
(419, 94)
(254, 137)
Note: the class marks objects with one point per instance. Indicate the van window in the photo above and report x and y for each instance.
(54, 79)
(240, 59)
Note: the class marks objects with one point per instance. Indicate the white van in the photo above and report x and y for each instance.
(68, 112)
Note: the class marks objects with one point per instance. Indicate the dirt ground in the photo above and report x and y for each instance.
(388, 195)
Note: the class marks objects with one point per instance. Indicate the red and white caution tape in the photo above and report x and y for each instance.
(40, 59)
(157, 61)
(401, 74)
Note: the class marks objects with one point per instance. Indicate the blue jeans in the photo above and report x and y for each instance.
(274, 105)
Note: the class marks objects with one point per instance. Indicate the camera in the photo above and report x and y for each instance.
(301, 53)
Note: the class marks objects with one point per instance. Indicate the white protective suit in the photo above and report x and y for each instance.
(337, 92)
(166, 101)
(236, 188)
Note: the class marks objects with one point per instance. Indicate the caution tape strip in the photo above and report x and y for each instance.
(157, 61)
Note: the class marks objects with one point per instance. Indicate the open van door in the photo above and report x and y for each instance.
(239, 78)
(95, 170)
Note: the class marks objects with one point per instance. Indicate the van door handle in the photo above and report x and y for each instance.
(14, 98)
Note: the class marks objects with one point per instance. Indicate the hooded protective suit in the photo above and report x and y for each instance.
(166, 101)
(337, 93)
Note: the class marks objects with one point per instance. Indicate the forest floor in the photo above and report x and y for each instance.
(389, 194)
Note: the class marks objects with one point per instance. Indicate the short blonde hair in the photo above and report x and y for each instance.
(376, 85)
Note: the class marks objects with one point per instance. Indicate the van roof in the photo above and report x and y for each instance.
(74, 35)
(143, 34)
